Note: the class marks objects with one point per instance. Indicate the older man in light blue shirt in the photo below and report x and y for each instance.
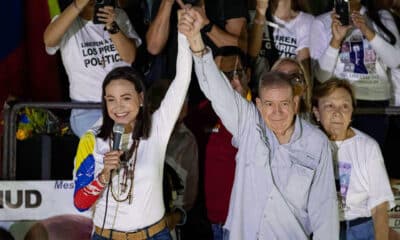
(284, 184)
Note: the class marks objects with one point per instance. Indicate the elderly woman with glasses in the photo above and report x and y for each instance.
(362, 183)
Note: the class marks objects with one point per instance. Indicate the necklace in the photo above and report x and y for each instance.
(127, 171)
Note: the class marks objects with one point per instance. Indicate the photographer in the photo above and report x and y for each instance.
(89, 51)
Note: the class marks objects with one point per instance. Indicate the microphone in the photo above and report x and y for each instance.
(118, 130)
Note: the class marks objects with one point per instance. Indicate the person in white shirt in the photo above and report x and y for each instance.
(361, 52)
(280, 29)
(89, 51)
(125, 191)
(283, 174)
(362, 183)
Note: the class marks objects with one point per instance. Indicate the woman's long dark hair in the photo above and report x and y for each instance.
(373, 13)
(143, 119)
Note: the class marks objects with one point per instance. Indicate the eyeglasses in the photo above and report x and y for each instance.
(239, 73)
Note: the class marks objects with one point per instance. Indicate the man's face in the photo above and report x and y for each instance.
(232, 67)
(277, 106)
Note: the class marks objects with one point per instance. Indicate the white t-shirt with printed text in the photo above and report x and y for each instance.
(88, 54)
(293, 36)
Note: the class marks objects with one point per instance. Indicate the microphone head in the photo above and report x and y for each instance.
(118, 128)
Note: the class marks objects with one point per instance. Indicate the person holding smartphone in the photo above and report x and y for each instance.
(89, 51)
(360, 52)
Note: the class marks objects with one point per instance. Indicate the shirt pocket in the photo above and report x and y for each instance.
(298, 187)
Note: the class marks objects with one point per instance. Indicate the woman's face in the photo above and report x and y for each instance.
(122, 101)
(289, 67)
(334, 112)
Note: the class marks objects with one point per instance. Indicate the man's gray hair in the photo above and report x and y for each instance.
(275, 79)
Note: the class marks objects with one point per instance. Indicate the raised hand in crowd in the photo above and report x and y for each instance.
(159, 29)
(339, 31)
(262, 6)
(55, 31)
(359, 21)
(257, 29)
(107, 15)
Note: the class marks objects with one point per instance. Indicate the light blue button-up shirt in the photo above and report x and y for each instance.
(280, 191)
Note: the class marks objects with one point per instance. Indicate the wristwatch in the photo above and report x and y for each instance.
(113, 29)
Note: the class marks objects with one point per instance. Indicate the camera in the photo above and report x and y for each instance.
(99, 4)
(342, 8)
(191, 2)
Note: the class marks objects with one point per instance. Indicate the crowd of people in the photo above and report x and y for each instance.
(257, 141)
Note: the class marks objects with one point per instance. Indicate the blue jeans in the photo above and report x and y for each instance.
(219, 233)
(363, 231)
(163, 235)
(82, 120)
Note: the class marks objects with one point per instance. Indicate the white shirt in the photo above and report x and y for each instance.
(88, 54)
(361, 62)
(147, 206)
(292, 36)
(362, 176)
(280, 191)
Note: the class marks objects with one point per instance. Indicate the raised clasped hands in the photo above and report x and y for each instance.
(190, 21)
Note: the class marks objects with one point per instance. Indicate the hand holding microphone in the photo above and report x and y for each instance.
(112, 159)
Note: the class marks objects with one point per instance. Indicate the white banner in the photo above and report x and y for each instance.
(35, 200)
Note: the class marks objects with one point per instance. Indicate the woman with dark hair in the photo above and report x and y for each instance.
(361, 52)
(362, 183)
(123, 186)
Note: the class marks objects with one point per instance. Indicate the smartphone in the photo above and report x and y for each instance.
(342, 8)
(99, 4)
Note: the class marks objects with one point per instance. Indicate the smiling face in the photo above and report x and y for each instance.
(334, 112)
(277, 106)
(122, 101)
